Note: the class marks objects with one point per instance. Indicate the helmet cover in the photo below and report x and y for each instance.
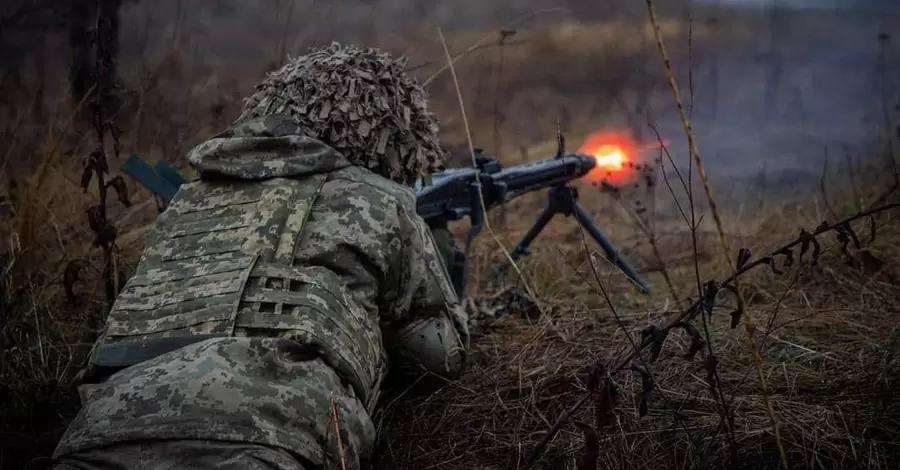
(360, 102)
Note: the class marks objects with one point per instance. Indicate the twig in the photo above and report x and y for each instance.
(498, 147)
(822, 185)
(427, 63)
(883, 38)
(511, 25)
(337, 433)
(664, 150)
(748, 321)
(487, 224)
(539, 448)
(715, 381)
(727, 416)
(285, 30)
(712, 362)
(647, 228)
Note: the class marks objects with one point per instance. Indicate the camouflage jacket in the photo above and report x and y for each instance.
(218, 263)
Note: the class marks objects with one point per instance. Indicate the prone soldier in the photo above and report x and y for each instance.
(278, 288)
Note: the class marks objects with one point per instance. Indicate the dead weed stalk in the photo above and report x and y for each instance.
(104, 39)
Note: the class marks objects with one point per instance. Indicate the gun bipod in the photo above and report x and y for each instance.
(563, 200)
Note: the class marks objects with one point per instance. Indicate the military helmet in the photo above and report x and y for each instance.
(359, 101)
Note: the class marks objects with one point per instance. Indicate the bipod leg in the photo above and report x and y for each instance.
(521, 248)
(586, 221)
(477, 219)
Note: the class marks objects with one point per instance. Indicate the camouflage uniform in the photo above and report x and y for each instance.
(257, 328)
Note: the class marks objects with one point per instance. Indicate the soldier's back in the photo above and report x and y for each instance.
(254, 313)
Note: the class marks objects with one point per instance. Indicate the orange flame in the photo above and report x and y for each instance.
(612, 152)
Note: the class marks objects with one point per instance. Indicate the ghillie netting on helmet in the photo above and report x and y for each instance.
(359, 101)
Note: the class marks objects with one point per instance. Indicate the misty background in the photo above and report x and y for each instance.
(770, 89)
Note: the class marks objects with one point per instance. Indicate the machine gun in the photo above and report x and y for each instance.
(454, 193)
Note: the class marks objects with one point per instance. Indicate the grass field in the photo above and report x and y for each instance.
(824, 358)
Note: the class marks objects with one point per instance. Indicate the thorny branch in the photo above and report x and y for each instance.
(603, 387)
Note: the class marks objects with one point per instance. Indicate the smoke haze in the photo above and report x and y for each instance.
(774, 89)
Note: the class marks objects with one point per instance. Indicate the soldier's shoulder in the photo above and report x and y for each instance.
(361, 180)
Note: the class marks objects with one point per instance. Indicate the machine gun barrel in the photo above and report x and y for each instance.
(522, 179)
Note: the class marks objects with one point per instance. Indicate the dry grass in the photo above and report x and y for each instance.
(828, 356)
(829, 338)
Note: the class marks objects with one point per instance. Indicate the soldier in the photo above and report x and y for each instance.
(257, 329)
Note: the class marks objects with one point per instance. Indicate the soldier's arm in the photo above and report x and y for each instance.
(433, 332)
(454, 260)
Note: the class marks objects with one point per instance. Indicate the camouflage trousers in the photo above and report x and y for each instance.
(235, 402)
